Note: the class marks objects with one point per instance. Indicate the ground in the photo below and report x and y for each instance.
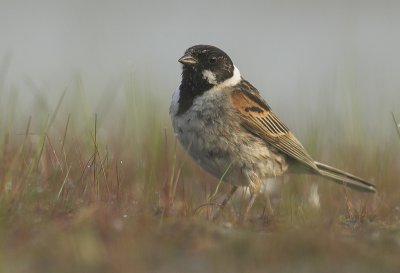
(86, 191)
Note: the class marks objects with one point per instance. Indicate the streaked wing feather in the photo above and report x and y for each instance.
(258, 118)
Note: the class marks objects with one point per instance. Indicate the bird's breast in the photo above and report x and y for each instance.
(212, 134)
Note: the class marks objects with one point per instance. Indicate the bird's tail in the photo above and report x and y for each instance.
(345, 178)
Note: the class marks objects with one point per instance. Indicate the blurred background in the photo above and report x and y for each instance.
(296, 53)
(89, 165)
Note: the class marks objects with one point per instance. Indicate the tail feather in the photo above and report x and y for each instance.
(345, 178)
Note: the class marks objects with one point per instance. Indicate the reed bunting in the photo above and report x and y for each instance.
(230, 131)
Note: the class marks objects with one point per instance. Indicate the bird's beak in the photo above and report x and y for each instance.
(188, 59)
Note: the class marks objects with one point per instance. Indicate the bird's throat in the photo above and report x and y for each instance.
(192, 86)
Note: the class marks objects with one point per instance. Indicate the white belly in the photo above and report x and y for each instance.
(214, 138)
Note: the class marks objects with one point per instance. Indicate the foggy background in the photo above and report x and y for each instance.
(297, 53)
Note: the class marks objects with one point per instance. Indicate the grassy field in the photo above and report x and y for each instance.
(107, 188)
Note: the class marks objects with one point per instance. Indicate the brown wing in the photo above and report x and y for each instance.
(258, 118)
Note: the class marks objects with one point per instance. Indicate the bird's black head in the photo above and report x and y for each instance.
(206, 66)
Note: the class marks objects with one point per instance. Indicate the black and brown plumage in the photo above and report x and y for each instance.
(258, 119)
(230, 130)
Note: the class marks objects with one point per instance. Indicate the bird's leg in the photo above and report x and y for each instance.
(253, 196)
(224, 202)
(269, 188)
(255, 189)
(270, 209)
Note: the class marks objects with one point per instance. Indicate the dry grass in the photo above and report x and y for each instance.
(114, 192)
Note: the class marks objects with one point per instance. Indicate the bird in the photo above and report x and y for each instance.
(225, 125)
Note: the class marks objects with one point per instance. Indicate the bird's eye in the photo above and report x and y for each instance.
(212, 60)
